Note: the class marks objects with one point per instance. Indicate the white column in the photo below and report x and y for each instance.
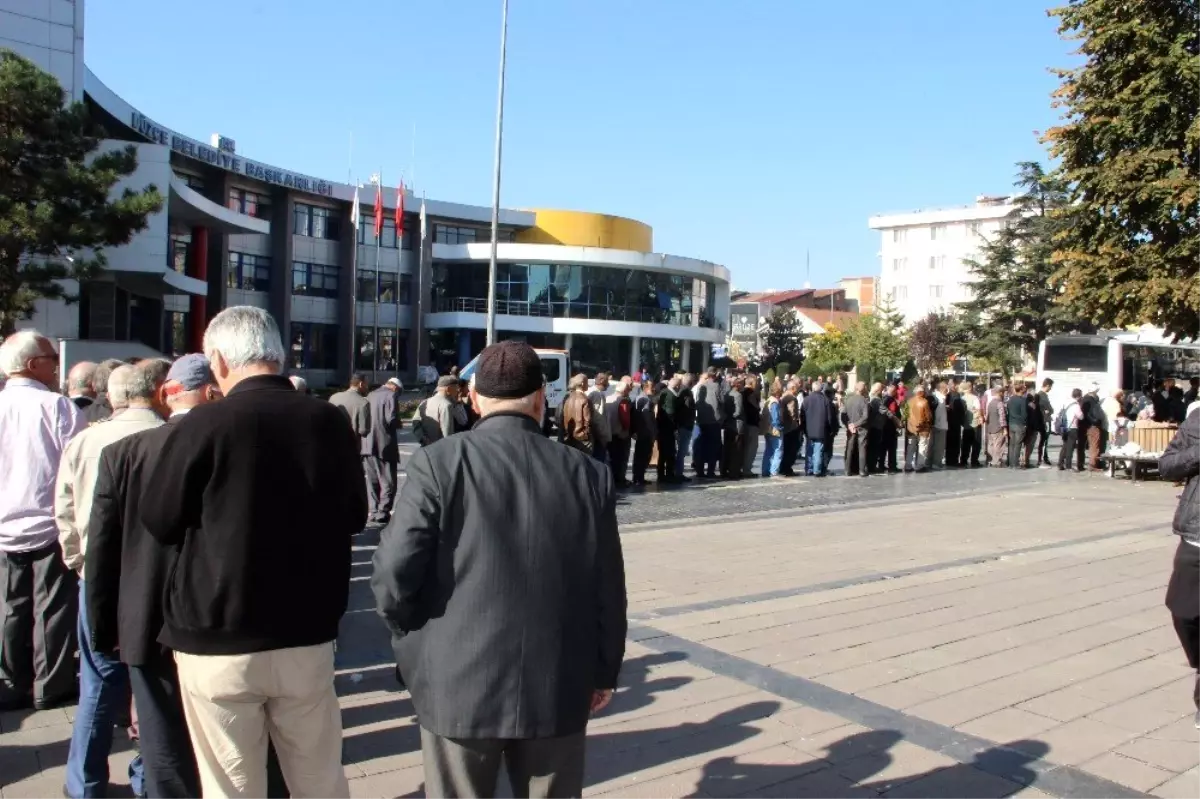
(568, 341)
(685, 361)
(705, 354)
(635, 354)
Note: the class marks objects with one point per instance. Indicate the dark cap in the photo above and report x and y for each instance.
(191, 372)
(508, 370)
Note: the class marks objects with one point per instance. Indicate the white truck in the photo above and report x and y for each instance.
(556, 368)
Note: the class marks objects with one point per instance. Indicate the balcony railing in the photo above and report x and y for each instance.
(575, 310)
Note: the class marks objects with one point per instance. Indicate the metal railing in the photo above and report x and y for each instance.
(575, 310)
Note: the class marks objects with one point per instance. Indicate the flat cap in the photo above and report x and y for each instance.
(191, 372)
(508, 370)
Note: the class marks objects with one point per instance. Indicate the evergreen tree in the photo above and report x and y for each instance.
(1015, 293)
(887, 312)
(54, 192)
(1128, 240)
(782, 340)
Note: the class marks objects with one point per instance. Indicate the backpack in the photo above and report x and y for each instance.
(1060, 423)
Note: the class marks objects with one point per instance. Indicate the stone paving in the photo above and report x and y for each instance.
(982, 633)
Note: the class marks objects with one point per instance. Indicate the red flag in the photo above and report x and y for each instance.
(378, 210)
(399, 212)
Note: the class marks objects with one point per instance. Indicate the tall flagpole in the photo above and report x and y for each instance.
(491, 307)
(378, 180)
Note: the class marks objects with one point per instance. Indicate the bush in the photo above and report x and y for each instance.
(783, 368)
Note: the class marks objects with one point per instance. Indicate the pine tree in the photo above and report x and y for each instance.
(782, 340)
(1128, 238)
(1015, 293)
(891, 316)
(54, 192)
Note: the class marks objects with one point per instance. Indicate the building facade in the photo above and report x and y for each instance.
(236, 231)
(923, 253)
(813, 309)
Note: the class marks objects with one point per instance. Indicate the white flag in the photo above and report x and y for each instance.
(354, 211)
(422, 219)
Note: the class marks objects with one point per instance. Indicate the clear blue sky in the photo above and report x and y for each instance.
(744, 133)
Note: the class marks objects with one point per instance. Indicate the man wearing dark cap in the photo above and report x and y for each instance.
(127, 573)
(438, 413)
(502, 581)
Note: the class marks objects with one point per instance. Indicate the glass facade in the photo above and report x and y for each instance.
(250, 203)
(314, 346)
(178, 247)
(591, 354)
(316, 222)
(314, 280)
(366, 232)
(249, 272)
(380, 350)
(576, 292)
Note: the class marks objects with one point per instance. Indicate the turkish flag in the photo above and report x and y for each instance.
(400, 211)
(378, 210)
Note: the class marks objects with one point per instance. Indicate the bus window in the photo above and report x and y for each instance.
(551, 369)
(1075, 358)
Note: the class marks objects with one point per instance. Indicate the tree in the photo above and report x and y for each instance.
(1016, 292)
(887, 312)
(54, 192)
(782, 340)
(875, 346)
(1128, 239)
(931, 343)
(826, 353)
(988, 348)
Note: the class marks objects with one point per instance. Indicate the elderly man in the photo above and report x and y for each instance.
(685, 424)
(598, 397)
(817, 412)
(733, 406)
(128, 574)
(972, 429)
(103, 680)
(920, 430)
(504, 670)
(252, 634)
(353, 403)
(618, 412)
(995, 420)
(438, 413)
(37, 657)
(856, 413)
(382, 453)
(668, 396)
(101, 408)
(789, 411)
(79, 384)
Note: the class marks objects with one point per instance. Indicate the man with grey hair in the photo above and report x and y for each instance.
(79, 384)
(856, 414)
(37, 658)
(261, 492)
(103, 680)
(102, 408)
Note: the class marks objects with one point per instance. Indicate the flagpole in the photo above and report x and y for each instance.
(356, 219)
(422, 351)
(491, 307)
(378, 246)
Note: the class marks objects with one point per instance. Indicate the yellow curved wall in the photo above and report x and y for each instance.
(583, 229)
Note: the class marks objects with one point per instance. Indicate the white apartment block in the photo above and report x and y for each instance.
(922, 257)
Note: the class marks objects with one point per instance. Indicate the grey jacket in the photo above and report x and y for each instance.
(358, 411)
(1181, 461)
(381, 442)
(856, 411)
(437, 422)
(708, 403)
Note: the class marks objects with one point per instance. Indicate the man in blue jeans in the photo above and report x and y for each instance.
(817, 414)
(104, 694)
(685, 423)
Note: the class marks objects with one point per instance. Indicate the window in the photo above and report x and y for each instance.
(973, 229)
(1075, 358)
(250, 203)
(314, 280)
(450, 234)
(366, 232)
(365, 291)
(317, 222)
(193, 182)
(314, 346)
(899, 235)
(937, 233)
(404, 290)
(249, 272)
(935, 292)
(387, 288)
(411, 232)
(364, 349)
(899, 263)
(391, 354)
(937, 262)
(178, 249)
(551, 369)
(902, 292)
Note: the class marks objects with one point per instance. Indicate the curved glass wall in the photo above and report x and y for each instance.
(576, 292)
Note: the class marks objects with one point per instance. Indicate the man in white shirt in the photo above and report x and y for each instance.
(103, 679)
(37, 657)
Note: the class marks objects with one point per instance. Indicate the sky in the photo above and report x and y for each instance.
(746, 133)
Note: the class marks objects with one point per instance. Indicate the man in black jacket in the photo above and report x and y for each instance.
(817, 421)
(502, 581)
(127, 574)
(261, 493)
(1181, 461)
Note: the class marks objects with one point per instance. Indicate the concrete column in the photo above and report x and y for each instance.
(705, 354)
(635, 354)
(347, 306)
(568, 341)
(464, 347)
(198, 303)
(686, 358)
(279, 298)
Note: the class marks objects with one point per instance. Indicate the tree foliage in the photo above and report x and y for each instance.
(782, 340)
(876, 345)
(987, 348)
(931, 343)
(1128, 237)
(891, 316)
(826, 353)
(54, 192)
(1015, 296)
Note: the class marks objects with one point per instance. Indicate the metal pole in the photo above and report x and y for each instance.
(491, 308)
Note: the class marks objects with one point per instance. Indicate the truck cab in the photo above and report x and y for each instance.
(556, 368)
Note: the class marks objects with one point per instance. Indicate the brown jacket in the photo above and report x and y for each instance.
(577, 421)
(920, 417)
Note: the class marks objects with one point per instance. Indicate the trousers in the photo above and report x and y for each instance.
(814, 457)
(683, 445)
(1016, 442)
(749, 451)
(381, 487)
(103, 698)
(916, 451)
(998, 448)
(1093, 447)
(618, 458)
(937, 448)
(170, 766)
(710, 448)
(41, 600)
(972, 441)
(791, 450)
(643, 447)
(772, 455)
(666, 455)
(233, 703)
(732, 456)
(537, 767)
(857, 459)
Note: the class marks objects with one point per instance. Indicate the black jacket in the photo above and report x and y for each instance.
(127, 567)
(502, 580)
(817, 413)
(261, 491)
(1181, 461)
(685, 409)
(385, 420)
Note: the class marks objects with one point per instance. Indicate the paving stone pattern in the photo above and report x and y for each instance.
(981, 633)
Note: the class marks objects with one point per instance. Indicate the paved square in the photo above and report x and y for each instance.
(979, 633)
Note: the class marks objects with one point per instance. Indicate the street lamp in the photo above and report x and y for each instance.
(491, 306)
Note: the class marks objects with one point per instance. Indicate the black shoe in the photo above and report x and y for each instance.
(683, 478)
(51, 702)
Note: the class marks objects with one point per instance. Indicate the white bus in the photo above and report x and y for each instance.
(1127, 360)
